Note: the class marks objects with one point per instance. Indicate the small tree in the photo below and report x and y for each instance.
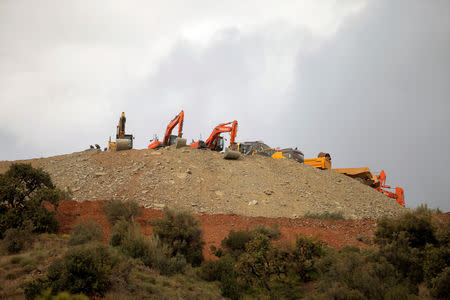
(23, 189)
(182, 233)
(84, 232)
(116, 210)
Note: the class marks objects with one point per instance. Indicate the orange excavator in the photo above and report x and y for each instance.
(364, 175)
(399, 194)
(170, 139)
(215, 141)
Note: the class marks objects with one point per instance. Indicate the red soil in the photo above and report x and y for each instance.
(336, 233)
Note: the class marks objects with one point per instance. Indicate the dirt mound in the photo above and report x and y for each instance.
(200, 181)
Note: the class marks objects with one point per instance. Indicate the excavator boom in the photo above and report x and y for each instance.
(123, 141)
(178, 120)
(213, 139)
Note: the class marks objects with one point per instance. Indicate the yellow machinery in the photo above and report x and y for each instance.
(123, 141)
(319, 162)
(361, 174)
(323, 161)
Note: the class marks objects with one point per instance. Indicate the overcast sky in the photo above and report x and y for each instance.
(367, 81)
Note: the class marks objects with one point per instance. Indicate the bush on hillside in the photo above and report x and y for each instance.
(18, 239)
(85, 269)
(47, 295)
(440, 285)
(272, 233)
(269, 270)
(418, 229)
(116, 210)
(181, 232)
(23, 189)
(325, 215)
(235, 242)
(84, 232)
(151, 251)
(423, 209)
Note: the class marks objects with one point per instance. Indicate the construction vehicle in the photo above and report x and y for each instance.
(170, 139)
(363, 175)
(399, 194)
(215, 142)
(323, 161)
(260, 148)
(123, 141)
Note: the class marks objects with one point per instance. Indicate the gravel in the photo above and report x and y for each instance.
(201, 181)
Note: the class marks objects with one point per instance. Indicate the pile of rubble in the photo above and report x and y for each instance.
(200, 181)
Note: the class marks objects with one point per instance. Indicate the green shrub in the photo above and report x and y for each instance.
(215, 270)
(153, 253)
(34, 288)
(116, 210)
(27, 261)
(436, 259)
(84, 232)
(17, 239)
(398, 292)
(440, 285)
(423, 209)
(305, 253)
(47, 295)
(418, 229)
(350, 273)
(29, 268)
(325, 215)
(128, 238)
(236, 241)
(268, 270)
(272, 233)
(16, 259)
(182, 234)
(338, 291)
(12, 276)
(23, 189)
(83, 269)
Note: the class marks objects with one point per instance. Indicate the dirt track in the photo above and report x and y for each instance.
(337, 233)
(202, 182)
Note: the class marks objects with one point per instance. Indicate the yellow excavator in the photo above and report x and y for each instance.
(123, 141)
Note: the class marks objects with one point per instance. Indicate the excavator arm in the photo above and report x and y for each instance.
(121, 127)
(178, 120)
(211, 142)
(215, 141)
(399, 194)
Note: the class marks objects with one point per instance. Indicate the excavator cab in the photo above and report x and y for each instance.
(218, 144)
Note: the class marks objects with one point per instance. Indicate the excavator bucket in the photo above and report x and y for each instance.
(124, 144)
(180, 142)
(231, 154)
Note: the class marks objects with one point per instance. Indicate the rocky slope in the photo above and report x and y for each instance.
(202, 182)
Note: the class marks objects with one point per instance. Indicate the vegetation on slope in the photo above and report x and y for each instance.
(411, 257)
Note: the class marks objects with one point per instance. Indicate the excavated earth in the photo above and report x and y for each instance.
(202, 182)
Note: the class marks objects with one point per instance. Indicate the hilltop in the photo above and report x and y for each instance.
(202, 182)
